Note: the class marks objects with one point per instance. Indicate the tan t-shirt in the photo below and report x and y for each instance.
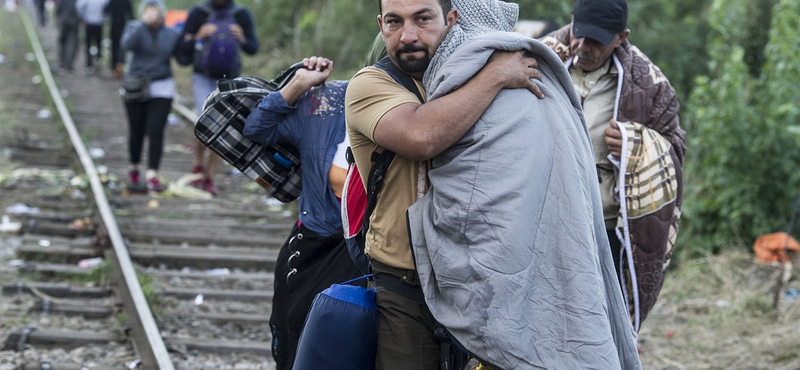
(597, 90)
(370, 94)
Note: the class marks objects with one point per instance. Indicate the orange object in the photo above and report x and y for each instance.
(175, 18)
(769, 247)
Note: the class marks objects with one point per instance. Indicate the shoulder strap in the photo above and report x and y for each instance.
(211, 11)
(382, 160)
(401, 77)
(284, 77)
(205, 8)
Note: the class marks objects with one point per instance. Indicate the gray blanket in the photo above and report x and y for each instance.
(510, 243)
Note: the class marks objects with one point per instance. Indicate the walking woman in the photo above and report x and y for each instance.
(148, 89)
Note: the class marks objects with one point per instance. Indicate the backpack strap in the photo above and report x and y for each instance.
(452, 355)
(381, 161)
(206, 8)
(284, 77)
(401, 77)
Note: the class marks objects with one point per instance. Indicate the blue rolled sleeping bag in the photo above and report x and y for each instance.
(341, 330)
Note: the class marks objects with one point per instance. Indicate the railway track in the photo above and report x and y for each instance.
(94, 277)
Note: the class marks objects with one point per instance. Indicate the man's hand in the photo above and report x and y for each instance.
(206, 30)
(237, 32)
(316, 71)
(514, 70)
(613, 138)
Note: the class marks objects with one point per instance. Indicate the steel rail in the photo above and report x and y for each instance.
(187, 113)
(150, 346)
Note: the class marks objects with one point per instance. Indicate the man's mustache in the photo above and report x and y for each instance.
(410, 49)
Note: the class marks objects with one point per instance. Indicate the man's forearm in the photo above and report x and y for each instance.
(294, 90)
(432, 127)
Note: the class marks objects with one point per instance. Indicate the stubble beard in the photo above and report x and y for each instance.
(413, 64)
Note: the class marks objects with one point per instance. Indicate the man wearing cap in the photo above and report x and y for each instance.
(631, 111)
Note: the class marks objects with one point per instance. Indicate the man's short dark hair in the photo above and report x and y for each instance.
(446, 5)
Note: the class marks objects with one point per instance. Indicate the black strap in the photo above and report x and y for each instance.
(209, 10)
(284, 77)
(401, 77)
(380, 164)
(451, 357)
(382, 160)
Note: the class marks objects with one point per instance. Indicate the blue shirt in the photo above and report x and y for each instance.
(315, 125)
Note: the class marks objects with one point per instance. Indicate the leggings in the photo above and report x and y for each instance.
(147, 119)
(94, 35)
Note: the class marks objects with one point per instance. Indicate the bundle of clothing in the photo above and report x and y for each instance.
(510, 242)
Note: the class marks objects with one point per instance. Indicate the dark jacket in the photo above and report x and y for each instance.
(647, 98)
(151, 49)
(120, 11)
(66, 12)
(198, 16)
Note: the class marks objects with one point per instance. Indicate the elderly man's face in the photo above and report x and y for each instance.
(591, 53)
(412, 30)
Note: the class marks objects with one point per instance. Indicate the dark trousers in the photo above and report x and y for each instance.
(94, 37)
(116, 49)
(405, 324)
(147, 119)
(307, 264)
(41, 12)
(616, 248)
(67, 44)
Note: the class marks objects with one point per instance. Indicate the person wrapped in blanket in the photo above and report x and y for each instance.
(309, 114)
(509, 241)
(631, 111)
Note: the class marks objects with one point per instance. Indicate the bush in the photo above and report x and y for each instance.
(742, 173)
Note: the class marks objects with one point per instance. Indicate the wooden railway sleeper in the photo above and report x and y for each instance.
(23, 337)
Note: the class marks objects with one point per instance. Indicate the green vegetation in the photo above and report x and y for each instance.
(742, 172)
(157, 303)
(99, 274)
(146, 281)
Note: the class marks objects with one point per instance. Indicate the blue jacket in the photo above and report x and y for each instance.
(315, 125)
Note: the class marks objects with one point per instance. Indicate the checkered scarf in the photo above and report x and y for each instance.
(475, 17)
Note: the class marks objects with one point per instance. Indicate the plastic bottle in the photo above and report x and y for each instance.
(282, 160)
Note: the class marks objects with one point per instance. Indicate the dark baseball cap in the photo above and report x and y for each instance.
(600, 20)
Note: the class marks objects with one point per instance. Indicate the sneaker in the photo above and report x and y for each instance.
(133, 177)
(134, 185)
(199, 182)
(209, 187)
(154, 186)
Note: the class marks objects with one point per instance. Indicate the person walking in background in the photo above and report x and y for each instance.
(41, 12)
(68, 21)
(151, 45)
(120, 11)
(623, 92)
(309, 115)
(213, 35)
(91, 13)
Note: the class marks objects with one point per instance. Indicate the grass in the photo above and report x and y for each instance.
(716, 313)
